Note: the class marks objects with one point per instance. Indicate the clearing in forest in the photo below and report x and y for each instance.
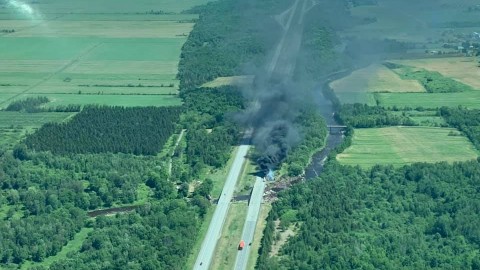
(233, 80)
(405, 145)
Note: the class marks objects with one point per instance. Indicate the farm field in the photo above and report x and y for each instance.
(404, 145)
(409, 23)
(112, 47)
(468, 99)
(462, 69)
(375, 78)
(109, 6)
(107, 99)
(356, 97)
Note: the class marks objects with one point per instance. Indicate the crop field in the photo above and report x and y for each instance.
(107, 99)
(405, 145)
(430, 100)
(410, 22)
(374, 78)
(65, 49)
(425, 118)
(356, 97)
(462, 69)
(49, 7)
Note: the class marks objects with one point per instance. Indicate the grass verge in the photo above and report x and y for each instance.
(227, 247)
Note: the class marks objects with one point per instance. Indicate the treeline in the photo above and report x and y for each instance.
(365, 116)
(34, 105)
(223, 40)
(314, 133)
(99, 129)
(433, 81)
(422, 216)
(465, 120)
(27, 105)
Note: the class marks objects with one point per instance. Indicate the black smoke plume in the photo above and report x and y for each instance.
(272, 114)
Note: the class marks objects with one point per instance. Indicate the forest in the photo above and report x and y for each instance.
(422, 216)
(100, 129)
(224, 42)
(47, 196)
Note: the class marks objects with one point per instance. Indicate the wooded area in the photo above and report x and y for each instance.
(422, 216)
(100, 129)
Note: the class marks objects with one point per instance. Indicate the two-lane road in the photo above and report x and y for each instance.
(250, 223)
(216, 224)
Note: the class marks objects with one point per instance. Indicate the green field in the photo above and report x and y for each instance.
(375, 78)
(469, 99)
(50, 7)
(111, 47)
(356, 97)
(405, 145)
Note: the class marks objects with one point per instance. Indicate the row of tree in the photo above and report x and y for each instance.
(364, 116)
(30, 105)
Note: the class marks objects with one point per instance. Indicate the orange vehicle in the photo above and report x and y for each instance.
(241, 245)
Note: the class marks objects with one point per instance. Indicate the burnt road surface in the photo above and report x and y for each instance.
(250, 223)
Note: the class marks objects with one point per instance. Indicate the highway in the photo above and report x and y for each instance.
(209, 243)
(250, 223)
(281, 65)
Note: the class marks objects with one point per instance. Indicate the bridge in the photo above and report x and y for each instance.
(336, 128)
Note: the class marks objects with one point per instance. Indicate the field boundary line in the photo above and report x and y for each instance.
(73, 61)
